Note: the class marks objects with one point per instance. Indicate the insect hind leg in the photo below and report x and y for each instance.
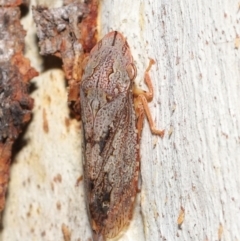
(141, 104)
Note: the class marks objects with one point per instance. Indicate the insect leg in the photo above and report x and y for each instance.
(141, 105)
(145, 108)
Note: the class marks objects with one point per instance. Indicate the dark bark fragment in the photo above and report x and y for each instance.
(15, 72)
(70, 33)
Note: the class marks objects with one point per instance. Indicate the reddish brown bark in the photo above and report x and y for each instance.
(15, 73)
(70, 33)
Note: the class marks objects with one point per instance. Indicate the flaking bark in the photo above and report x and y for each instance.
(15, 73)
(68, 32)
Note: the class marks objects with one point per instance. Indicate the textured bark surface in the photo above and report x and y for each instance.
(190, 183)
(68, 32)
(15, 103)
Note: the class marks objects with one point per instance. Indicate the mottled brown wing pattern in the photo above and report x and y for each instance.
(111, 158)
(112, 130)
(112, 191)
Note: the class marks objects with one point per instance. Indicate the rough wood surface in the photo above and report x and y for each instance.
(15, 72)
(196, 81)
(68, 32)
(190, 184)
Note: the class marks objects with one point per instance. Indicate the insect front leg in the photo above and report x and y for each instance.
(141, 105)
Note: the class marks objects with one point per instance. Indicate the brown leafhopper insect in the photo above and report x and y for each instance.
(112, 116)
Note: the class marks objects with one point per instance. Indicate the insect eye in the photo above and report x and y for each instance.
(131, 70)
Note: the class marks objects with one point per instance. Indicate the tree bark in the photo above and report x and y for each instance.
(190, 189)
(15, 73)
